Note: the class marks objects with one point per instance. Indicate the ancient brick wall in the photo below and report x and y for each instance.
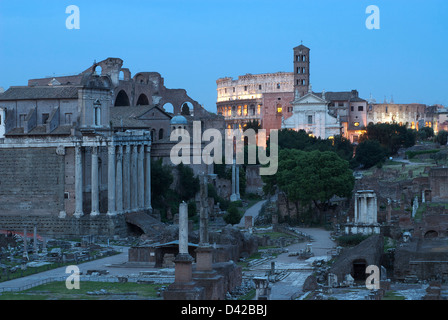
(69, 227)
(31, 181)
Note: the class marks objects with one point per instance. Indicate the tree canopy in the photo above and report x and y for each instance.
(390, 136)
(311, 177)
(369, 153)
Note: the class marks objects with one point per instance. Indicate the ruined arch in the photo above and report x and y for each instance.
(122, 99)
(431, 234)
(187, 108)
(97, 69)
(168, 107)
(143, 100)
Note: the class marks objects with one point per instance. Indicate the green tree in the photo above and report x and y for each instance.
(188, 184)
(369, 153)
(425, 133)
(442, 137)
(311, 177)
(233, 216)
(390, 136)
(161, 179)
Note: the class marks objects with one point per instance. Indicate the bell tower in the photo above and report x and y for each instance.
(301, 70)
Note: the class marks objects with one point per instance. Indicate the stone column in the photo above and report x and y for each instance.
(111, 208)
(78, 182)
(134, 174)
(119, 180)
(127, 178)
(363, 209)
(233, 197)
(141, 178)
(94, 183)
(203, 227)
(237, 185)
(148, 178)
(183, 228)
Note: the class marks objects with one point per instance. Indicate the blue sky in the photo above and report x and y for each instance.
(194, 42)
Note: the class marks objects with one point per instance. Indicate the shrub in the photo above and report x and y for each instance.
(233, 215)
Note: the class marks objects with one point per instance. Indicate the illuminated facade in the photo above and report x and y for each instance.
(243, 100)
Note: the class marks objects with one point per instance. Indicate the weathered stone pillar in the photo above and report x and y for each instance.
(78, 182)
(134, 176)
(94, 183)
(237, 185)
(127, 178)
(233, 197)
(183, 228)
(141, 178)
(111, 208)
(119, 180)
(148, 178)
(203, 228)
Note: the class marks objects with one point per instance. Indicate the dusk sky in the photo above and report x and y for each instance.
(192, 43)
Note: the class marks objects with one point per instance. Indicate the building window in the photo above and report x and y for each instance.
(68, 118)
(298, 70)
(22, 120)
(245, 88)
(310, 119)
(360, 108)
(233, 89)
(341, 104)
(303, 82)
(259, 87)
(279, 108)
(278, 85)
(352, 108)
(45, 117)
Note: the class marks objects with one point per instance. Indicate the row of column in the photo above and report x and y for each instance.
(129, 179)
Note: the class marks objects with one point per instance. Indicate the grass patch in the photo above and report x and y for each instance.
(412, 154)
(392, 295)
(58, 291)
(248, 296)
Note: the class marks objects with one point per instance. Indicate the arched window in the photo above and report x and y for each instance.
(160, 134)
(122, 99)
(143, 100)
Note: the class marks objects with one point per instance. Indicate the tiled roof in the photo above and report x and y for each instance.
(127, 117)
(47, 92)
(339, 96)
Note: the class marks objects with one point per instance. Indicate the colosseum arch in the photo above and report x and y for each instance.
(122, 99)
(142, 100)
